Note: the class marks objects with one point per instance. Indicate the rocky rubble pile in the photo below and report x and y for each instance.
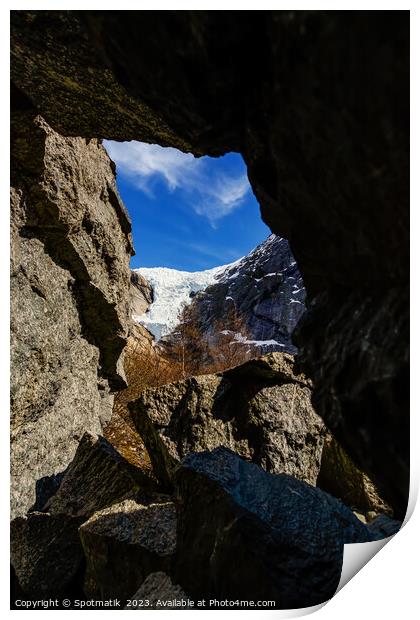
(231, 510)
(336, 185)
(262, 410)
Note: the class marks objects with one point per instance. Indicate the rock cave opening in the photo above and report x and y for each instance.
(294, 104)
(196, 224)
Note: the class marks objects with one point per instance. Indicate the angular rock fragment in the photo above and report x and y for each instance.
(45, 552)
(290, 433)
(45, 547)
(246, 534)
(97, 477)
(125, 543)
(261, 410)
(70, 277)
(339, 476)
(158, 592)
(383, 526)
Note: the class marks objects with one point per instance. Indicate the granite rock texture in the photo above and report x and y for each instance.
(317, 103)
(71, 244)
(244, 533)
(382, 527)
(123, 544)
(262, 410)
(339, 476)
(97, 477)
(141, 294)
(46, 552)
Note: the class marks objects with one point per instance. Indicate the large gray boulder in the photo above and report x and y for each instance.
(70, 250)
(262, 410)
(97, 477)
(123, 544)
(245, 534)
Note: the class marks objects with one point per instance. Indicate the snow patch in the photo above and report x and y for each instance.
(237, 337)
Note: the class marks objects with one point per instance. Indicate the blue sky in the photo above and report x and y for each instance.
(187, 213)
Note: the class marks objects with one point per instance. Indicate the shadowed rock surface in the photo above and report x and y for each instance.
(160, 593)
(97, 477)
(317, 103)
(46, 552)
(70, 250)
(382, 527)
(261, 410)
(339, 476)
(125, 543)
(244, 533)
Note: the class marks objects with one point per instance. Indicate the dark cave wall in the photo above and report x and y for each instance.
(317, 103)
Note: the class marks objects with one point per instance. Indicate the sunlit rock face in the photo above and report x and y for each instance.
(70, 276)
(265, 290)
(317, 103)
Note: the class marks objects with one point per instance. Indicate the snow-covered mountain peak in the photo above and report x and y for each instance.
(264, 289)
(172, 290)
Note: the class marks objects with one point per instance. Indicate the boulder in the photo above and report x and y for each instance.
(70, 251)
(245, 534)
(262, 410)
(158, 592)
(123, 544)
(97, 477)
(46, 552)
(383, 526)
(339, 476)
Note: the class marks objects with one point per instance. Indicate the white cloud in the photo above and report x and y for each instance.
(211, 195)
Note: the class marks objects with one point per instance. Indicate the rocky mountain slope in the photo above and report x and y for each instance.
(171, 291)
(264, 289)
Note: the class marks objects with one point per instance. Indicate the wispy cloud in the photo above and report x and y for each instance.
(211, 194)
(226, 254)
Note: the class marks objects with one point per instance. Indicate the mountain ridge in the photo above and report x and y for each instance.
(264, 288)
